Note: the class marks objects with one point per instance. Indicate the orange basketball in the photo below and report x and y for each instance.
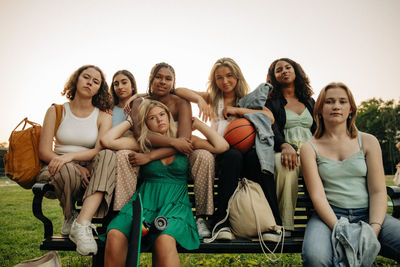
(240, 134)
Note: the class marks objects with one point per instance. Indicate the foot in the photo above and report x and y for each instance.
(272, 236)
(82, 236)
(225, 233)
(67, 223)
(202, 228)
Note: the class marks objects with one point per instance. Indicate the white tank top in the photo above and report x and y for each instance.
(219, 123)
(76, 134)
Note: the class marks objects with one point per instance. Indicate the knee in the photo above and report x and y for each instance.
(203, 155)
(106, 154)
(115, 240)
(122, 154)
(233, 156)
(313, 256)
(165, 245)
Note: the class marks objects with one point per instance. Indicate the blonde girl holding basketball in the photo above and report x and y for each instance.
(220, 104)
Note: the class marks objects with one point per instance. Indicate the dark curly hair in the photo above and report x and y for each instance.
(130, 77)
(303, 90)
(156, 68)
(101, 100)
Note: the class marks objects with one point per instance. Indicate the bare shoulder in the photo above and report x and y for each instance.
(179, 100)
(306, 150)
(105, 115)
(369, 141)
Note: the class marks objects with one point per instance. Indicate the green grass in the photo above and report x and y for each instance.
(21, 234)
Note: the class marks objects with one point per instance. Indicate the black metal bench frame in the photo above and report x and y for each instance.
(292, 244)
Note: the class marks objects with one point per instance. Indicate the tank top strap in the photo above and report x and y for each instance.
(360, 140)
(313, 147)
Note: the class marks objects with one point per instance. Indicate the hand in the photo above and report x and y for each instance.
(204, 110)
(138, 159)
(57, 162)
(228, 111)
(195, 123)
(376, 228)
(85, 175)
(183, 145)
(289, 157)
(127, 107)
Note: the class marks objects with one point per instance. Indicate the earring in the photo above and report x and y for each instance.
(319, 116)
(350, 117)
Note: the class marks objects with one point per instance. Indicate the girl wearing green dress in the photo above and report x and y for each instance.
(163, 193)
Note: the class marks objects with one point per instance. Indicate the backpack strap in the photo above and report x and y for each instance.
(59, 112)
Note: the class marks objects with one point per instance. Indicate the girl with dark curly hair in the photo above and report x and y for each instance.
(291, 103)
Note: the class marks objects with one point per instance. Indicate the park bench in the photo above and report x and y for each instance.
(292, 244)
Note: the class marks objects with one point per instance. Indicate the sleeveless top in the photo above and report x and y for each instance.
(118, 115)
(345, 182)
(76, 134)
(219, 123)
(297, 127)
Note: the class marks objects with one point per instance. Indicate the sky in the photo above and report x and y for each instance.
(43, 41)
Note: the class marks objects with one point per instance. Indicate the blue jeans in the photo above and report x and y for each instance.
(317, 245)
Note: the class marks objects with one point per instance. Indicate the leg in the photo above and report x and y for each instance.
(116, 249)
(103, 173)
(96, 201)
(164, 251)
(202, 166)
(67, 183)
(389, 237)
(317, 244)
(286, 191)
(266, 181)
(126, 179)
(230, 164)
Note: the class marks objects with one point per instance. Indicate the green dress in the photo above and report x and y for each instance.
(164, 193)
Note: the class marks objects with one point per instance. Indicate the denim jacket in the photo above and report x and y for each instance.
(354, 244)
(264, 134)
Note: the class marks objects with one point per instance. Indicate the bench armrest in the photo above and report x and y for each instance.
(394, 194)
(38, 191)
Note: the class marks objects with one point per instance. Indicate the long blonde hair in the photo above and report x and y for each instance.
(352, 130)
(241, 89)
(144, 110)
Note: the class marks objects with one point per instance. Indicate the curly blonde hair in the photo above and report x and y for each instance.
(144, 110)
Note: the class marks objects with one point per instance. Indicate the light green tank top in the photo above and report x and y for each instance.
(345, 182)
(297, 127)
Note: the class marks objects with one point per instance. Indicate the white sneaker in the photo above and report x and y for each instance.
(225, 233)
(272, 236)
(82, 236)
(202, 228)
(67, 223)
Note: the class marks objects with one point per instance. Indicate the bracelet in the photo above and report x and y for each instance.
(380, 225)
(130, 122)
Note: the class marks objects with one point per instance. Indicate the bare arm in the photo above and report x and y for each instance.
(215, 143)
(55, 162)
(314, 185)
(376, 182)
(238, 111)
(200, 98)
(113, 138)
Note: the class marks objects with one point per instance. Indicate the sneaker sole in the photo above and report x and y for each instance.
(79, 251)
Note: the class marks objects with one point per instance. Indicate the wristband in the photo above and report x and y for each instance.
(130, 122)
(380, 225)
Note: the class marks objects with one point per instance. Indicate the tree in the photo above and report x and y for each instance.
(382, 119)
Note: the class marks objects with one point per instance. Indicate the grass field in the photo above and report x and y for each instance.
(21, 234)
